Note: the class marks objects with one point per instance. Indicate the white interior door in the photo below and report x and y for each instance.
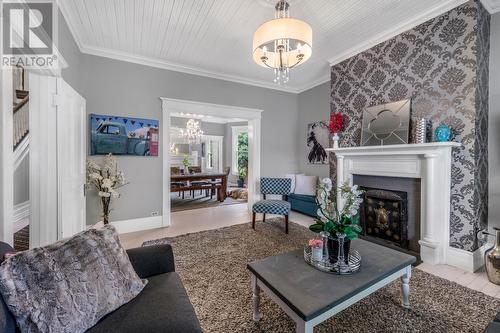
(71, 158)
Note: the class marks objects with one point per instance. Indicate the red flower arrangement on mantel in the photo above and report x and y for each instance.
(336, 126)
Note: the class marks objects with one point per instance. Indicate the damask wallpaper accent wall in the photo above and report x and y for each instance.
(442, 65)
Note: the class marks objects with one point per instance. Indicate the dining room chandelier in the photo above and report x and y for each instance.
(282, 43)
(192, 133)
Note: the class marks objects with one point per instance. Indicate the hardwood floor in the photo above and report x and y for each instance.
(223, 216)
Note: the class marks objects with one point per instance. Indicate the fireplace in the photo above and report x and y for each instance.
(390, 213)
(427, 167)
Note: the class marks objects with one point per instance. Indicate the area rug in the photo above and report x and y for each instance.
(22, 239)
(199, 201)
(212, 265)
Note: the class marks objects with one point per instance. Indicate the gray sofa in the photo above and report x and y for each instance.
(494, 326)
(163, 305)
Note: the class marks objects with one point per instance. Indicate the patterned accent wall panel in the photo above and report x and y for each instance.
(435, 64)
(482, 110)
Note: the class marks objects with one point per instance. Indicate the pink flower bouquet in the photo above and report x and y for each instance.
(316, 243)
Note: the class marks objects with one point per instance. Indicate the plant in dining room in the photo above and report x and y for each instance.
(242, 174)
(242, 158)
(185, 163)
(341, 225)
(336, 126)
(106, 179)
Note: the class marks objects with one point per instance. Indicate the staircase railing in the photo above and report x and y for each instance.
(21, 121)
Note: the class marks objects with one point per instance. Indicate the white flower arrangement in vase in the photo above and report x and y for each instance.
(106, 180)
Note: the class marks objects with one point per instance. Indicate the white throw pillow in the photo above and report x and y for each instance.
(293, 177)
(306, 185)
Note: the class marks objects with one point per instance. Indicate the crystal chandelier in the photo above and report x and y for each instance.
(192, 133)
(282, 43)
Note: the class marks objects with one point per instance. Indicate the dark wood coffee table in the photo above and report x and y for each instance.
(310, 296)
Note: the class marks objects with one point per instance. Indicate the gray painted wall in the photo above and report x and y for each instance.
(494, 124)
(120, 88)
(314, 105)
(71, 54)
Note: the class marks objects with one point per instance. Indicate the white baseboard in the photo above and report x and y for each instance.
(140, 224)
(21, 211)
(468, 261)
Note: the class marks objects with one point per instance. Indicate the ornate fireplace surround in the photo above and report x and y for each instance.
(431, 162)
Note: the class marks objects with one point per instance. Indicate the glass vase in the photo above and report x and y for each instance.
(338, 249)
(325, 236)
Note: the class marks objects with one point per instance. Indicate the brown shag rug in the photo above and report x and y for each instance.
(212, 265)
(22, 239)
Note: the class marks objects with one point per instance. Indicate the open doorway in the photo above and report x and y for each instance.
(203, 140)
(201, 161)
(21, 218)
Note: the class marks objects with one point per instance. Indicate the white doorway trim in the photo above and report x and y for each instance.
(6, 157)
(253, 116)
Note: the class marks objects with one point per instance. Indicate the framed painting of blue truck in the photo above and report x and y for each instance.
(123, 136)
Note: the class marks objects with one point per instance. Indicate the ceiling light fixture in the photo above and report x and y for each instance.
(192, 133)
(282, 43)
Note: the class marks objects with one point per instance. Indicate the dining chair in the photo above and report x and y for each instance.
(177, 171)
(197, 169)
(273, 186)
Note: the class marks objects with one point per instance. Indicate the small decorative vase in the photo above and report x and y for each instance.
(492, 260)
(421, 131)
(336, 139)
(317, 253)
(338, 249)
(442, 133)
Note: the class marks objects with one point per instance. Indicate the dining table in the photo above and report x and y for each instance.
(200, 176)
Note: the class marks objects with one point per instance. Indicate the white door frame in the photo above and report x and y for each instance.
(73, 220)
(220, 140)
(253, 116)
(43, 160)
(6, 157)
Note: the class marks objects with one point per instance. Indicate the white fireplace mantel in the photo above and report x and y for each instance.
(431, 162)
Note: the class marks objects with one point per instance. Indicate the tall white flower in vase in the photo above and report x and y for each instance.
(106, 180)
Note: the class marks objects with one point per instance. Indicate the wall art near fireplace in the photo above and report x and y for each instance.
(386, 124)
(385, 216)
(317, 140)
(123, 136)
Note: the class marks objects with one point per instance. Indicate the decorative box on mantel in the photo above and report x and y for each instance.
(431, 163)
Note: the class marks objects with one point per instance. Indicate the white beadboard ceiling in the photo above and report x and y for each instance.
(214, 37)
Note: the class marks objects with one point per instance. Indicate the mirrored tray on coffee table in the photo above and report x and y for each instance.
(327, 267)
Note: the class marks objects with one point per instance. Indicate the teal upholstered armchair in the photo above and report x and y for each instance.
(273, 186)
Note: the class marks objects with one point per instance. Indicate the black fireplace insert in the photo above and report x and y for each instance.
(384, 215)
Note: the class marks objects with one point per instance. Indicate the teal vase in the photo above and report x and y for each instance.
(442, 133)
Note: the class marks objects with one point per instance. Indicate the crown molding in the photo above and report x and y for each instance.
(492, 6)
(70, 19)
(317, 82)
(160, 63)
(397, 30)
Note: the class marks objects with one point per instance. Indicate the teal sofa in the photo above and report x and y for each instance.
(305, 204)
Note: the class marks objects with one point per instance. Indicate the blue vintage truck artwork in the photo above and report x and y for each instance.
(123, 136)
